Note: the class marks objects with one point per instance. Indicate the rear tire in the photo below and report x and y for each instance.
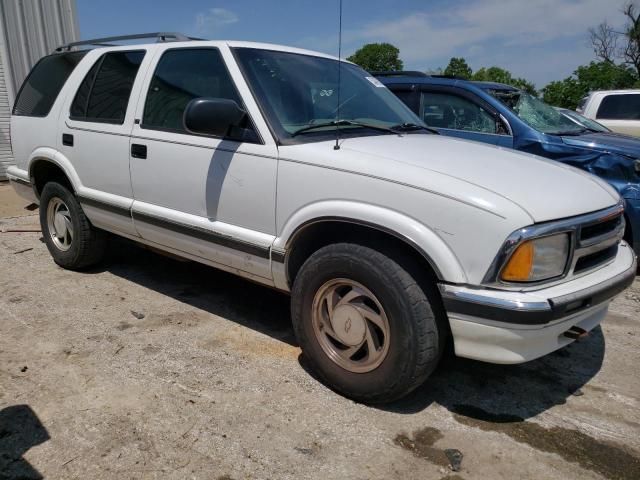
(72, 241)
(346, 295)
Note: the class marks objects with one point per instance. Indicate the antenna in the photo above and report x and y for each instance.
(337, 145)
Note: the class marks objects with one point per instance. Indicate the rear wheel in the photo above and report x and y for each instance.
(71, 239)
(364, 323)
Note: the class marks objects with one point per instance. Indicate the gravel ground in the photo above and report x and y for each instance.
(147, 367)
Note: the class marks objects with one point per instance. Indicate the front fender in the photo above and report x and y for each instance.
(425, 239)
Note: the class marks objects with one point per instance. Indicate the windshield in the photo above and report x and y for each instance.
(298, 91)
(536, 113)
(587, 122)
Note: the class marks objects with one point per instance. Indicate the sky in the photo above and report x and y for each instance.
(540, 40)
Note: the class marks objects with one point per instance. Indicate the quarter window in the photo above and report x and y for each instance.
(41, 88)
(104, 93)
(619, 107)
(183, 75)
(444, 110)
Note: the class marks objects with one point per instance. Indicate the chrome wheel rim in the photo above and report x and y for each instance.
(350, 325)
(59, 224)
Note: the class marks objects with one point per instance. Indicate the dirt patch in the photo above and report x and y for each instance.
(421, 445)
(240, 341)
(610, 460)
(184, 319)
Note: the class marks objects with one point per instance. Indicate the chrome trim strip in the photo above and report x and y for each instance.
(451, 291)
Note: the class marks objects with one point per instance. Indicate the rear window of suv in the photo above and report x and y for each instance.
(43, 84)
(619, 107)
(103, 95)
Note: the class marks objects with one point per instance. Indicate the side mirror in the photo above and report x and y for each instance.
(212, 116)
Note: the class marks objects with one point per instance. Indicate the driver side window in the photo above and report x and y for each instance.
(182, 75)
(445, 110)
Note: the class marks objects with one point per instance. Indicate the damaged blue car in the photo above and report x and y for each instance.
(506, 116)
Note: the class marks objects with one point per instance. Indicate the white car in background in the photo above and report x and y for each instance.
(389, 238)
(618, 110)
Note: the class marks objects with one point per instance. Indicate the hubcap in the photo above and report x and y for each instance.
(59, 224)
(350, 325)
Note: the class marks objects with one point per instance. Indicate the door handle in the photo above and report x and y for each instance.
(67, 139)
(138, 150)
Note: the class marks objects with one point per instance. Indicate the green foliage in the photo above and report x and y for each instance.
(603, 75)
(458, 67)
(500, 75)
(377, 57)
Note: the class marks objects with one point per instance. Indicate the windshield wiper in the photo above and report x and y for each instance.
(341, 123)
(403, 127)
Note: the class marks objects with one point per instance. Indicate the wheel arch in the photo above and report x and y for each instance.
(335, 221)
(46, 164)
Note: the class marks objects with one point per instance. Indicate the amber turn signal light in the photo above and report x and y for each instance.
(520, 264)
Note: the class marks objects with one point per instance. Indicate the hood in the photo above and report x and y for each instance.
(606, 141)
(475, 173)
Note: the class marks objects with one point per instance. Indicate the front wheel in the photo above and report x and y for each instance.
(70, 238)
(364, 323)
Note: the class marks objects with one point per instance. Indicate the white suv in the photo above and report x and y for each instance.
(391, 239)
(618, 110)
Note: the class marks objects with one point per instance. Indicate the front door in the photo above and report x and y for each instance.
(210, 197)
(457, 115)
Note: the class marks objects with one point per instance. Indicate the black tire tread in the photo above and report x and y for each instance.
(427, 351)
(91, 242)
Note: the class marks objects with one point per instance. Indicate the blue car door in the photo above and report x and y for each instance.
(457, 113)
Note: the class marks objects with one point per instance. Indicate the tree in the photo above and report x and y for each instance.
(458, 67)
(500, 75)
(604, 75)
(631, 51)
(375, 57)
(604, 41)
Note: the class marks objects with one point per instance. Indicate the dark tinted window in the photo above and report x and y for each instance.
(41, 88)
(444, 110)
(620, 107)
(104, 93)
(181, 76)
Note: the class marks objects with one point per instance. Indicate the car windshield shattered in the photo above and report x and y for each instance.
(536, 113)
(299, 95)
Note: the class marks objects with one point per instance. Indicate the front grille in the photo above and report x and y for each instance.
(597, 242)
(592, 260)
(589, 232)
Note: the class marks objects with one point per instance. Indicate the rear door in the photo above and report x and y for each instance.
(458, 113)
(209, 197)
(94, 134)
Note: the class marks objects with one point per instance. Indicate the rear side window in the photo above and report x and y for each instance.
(619, 107)
(185, 74)
(41, 88)
(104, 93)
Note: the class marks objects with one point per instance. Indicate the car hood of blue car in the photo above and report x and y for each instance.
(605, 141)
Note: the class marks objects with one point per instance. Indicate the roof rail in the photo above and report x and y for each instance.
(105, 42)
(452, 77)
(399, 73)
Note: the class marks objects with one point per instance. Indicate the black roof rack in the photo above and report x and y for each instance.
(452, 77)
(399, 73)
(106, 41)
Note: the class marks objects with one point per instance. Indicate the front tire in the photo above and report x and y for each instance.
(71, 240)
(365, 325)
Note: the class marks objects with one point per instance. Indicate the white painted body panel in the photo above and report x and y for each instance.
(626, 127)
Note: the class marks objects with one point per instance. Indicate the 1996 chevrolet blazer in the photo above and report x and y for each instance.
(389, 240)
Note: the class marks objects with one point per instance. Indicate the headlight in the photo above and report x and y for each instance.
(538, 259)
